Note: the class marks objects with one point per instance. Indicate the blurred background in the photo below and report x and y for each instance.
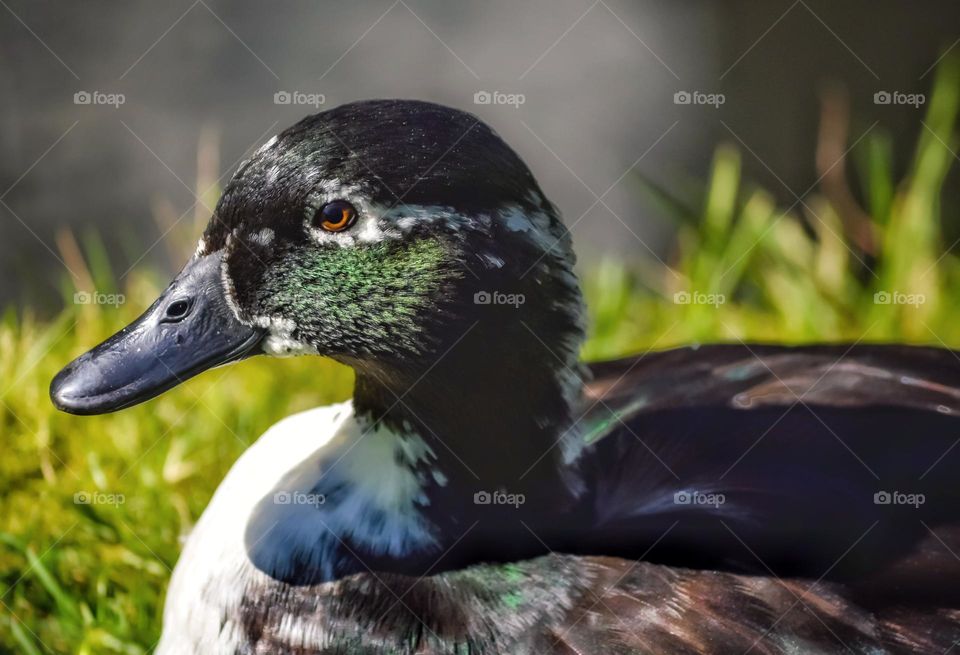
(594, 86)
(731, 171)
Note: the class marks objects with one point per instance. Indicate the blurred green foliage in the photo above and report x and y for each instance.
(90, 578)
(794, 274)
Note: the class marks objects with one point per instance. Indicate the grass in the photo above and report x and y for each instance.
(90, 578)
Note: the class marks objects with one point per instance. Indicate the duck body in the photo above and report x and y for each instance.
(259, 571)
(484, 491)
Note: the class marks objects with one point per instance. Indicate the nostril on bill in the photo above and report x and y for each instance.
(177, 310)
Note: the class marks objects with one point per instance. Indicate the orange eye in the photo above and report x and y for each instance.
(336, 216)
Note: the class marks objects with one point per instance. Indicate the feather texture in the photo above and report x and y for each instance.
(799, 558)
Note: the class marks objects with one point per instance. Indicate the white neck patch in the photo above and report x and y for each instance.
(361, 488)
(269, 515)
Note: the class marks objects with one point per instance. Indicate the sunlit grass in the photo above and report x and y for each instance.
(89, 578)
(796, 274)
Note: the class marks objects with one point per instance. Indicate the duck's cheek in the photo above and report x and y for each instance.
(371, 300)
(275, 288)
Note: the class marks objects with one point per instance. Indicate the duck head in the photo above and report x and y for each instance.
(403, 238)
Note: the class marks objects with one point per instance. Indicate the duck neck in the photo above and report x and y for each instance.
(496, 416)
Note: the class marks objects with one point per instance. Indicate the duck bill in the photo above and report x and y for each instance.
(189, 329)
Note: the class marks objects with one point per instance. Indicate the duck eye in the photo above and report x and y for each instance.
(336, 216)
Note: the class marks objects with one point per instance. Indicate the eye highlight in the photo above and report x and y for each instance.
(336, 216)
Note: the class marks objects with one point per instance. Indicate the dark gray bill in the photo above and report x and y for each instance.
(189, 329)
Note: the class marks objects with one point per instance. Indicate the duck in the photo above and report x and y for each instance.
(485, 491)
